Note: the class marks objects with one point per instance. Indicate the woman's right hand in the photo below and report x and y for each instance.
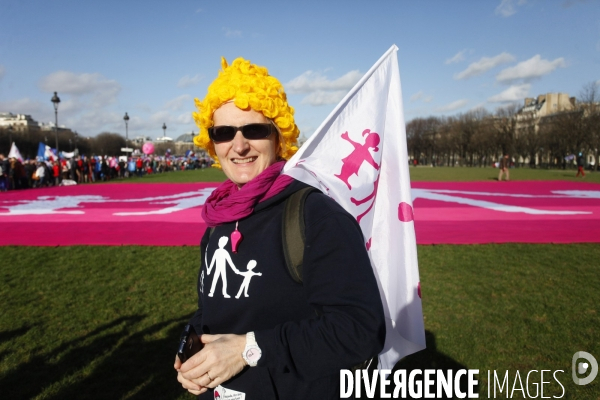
(219, 360)
(190, 386)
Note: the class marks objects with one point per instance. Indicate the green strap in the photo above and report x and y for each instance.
(293, 232)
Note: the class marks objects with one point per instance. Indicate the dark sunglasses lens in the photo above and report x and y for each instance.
(222, 133)
(256, 131)
(225, 133)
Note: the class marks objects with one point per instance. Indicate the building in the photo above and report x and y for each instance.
(140, 140)
(537, 111)
(547, 104)
(543, 107)
(49, 127)
(185, 138)
(18, 122)
(545, 113)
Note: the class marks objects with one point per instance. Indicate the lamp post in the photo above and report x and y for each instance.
(126, 119)
(164, 129)
(55, 99)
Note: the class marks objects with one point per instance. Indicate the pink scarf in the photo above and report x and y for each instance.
(228, 203)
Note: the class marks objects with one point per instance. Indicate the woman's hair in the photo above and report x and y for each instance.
(248, 86)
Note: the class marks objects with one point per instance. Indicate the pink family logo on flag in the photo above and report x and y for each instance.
(352, 164)
(358, 157)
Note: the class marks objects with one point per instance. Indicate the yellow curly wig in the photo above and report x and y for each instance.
(248, 86)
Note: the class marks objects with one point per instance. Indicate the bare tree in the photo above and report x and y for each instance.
(108, 143)
(28, 139)
(506, 128)
(421, 136)
(590, 105)
(474, 137)
(528, 142)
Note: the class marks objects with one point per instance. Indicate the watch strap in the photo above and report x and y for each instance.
(250, 338)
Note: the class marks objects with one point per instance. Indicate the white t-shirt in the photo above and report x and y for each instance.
(40, 172)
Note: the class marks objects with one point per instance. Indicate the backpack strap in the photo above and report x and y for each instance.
(293, 249)
(293, 232)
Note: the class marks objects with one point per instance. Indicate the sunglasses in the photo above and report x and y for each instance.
(226, 133)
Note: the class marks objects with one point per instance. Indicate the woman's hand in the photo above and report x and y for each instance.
(219, 360)
(187, 384)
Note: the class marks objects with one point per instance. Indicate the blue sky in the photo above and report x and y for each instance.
(151, 58)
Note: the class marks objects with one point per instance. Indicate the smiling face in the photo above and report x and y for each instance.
(242, 159)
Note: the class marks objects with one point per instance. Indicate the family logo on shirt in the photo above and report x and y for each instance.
(220, 259)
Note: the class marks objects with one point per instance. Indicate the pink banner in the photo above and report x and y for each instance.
(169, 214)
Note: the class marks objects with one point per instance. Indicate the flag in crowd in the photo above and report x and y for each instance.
(358, 157)
(45, 152)
(14, 152)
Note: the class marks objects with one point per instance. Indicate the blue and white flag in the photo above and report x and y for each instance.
(358, 157)
(41, 151)
(45, 152)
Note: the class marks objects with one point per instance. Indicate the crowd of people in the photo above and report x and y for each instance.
(35, 173)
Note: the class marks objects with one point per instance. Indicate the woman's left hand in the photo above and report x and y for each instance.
(219, 360)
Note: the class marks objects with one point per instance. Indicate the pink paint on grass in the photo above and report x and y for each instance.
(107, 214)
(503, 212)
(169, 214)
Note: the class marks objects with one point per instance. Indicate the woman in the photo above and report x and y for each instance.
(265, 335)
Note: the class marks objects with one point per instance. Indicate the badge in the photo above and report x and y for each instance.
(221, 393)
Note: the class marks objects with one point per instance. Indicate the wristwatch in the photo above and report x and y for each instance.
(251, 352)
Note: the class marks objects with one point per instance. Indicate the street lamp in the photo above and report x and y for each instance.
(126, 119)
(164, 129)
(55, 100)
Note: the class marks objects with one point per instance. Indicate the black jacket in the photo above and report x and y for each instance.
(307, 332)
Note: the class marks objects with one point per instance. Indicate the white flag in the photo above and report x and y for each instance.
(358, 157)
(14, 152)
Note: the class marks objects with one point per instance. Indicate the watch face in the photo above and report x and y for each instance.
(253, 354)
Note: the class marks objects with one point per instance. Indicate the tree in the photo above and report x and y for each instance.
(528, 141)
(590, 105)
(107, 143)
(506, 128)
(421, 136)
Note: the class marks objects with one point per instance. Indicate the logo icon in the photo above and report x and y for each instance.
(582, 367)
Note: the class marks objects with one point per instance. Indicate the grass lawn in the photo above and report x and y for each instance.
(103, 322)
